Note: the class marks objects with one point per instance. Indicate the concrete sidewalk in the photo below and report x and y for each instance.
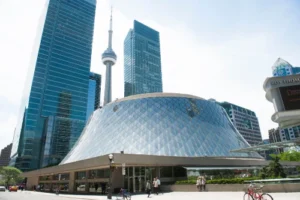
(185, 196)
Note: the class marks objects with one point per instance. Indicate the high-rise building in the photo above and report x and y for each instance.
(142, 61)
(5, 155)
(93, 94)
(54, 105)
(284, 68)
(109, 58)
(245, 122)
(274, 135)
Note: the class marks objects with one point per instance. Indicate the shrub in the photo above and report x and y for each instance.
(218, 181)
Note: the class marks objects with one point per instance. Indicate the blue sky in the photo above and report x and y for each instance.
(212, 49)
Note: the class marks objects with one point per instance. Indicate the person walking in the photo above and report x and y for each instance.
(198, 183)
(203, 183)
(155, 186)
(158, 187)
(148, 188)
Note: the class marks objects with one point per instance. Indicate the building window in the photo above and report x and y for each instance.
(80, 187)
(81, 175)
(166, 172)
(62, 177)
(179, 172)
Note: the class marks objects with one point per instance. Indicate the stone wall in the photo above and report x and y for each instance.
(270, 188)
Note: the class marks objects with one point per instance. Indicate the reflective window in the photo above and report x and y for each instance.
(59, 85)
(142, 45)
(80, 187)
(81, 175)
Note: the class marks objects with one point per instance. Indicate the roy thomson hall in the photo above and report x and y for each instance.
(149, 135)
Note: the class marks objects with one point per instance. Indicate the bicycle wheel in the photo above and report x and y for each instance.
(266, 196)
(248, 197)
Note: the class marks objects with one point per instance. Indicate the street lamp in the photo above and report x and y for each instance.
(110, 157)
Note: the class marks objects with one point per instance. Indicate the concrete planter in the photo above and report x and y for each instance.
(286, 187)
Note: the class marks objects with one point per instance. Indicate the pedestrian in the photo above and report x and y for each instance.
(158, 185)
(203, 183)
(148, 188)
(57, 190)
(198, 183)
(155, 186)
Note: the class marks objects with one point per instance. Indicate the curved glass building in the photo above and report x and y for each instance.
(160, 124)
(150, 135)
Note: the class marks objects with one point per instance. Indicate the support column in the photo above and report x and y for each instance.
(86, 181)
(128, 179)
(72, 182)
(133, 177)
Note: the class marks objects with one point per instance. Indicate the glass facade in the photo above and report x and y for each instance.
(283, 68)
(56, 106)
(93, 101)
(159, 124)
(245, 122)
(142, 61)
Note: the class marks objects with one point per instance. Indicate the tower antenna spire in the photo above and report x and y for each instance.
(110, 25)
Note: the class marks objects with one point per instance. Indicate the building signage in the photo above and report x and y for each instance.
(285, 81)
(291, 97)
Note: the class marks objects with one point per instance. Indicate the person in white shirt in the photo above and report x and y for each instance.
(158, 187)
(155, 186)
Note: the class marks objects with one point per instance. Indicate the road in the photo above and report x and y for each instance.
(24, 195)
(28, 195)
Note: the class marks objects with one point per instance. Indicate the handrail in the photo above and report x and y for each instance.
(272, 180)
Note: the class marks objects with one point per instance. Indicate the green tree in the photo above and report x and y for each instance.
(11, 175)
(264, 172)
(290, 156)
(276, 169)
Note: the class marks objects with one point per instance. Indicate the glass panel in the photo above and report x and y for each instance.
(80, 187)
(165, 172)
(162, 126)
(81, 175)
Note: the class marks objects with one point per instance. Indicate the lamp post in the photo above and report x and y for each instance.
(110, 157)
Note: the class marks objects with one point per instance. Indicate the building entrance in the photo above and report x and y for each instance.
(136, 177)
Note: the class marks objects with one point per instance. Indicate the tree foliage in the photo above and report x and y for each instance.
(11, 175)
(273, 170)
(290, 156)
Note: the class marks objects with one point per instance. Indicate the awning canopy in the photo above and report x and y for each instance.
(265, 147)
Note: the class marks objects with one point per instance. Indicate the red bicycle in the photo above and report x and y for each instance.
(255, 193)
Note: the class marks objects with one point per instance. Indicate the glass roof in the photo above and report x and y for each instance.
(165, 126)
(265, 147)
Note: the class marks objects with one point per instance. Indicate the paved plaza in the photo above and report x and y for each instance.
(27, 195)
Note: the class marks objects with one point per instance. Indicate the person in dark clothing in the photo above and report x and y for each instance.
(103, 187)
(148, 188)
(96, 187)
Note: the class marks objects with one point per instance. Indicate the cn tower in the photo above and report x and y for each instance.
(109, 58)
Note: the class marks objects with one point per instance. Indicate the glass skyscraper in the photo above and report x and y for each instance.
(54, 105)
(142, 61)
(93, 94)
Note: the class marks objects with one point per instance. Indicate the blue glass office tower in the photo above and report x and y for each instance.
(56, 103)
(93, 94)
(142, 61)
